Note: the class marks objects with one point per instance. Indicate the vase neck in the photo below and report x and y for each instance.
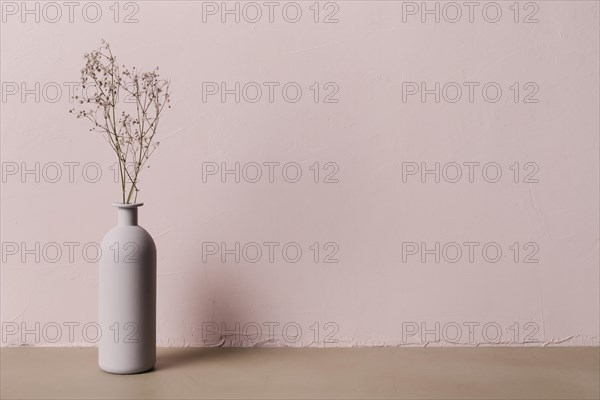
(127, 216)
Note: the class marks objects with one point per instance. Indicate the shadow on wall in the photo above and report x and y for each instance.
(215, 313)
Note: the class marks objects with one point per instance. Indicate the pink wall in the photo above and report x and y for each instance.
(367, 131)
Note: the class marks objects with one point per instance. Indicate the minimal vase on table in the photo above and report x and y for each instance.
(127, 296)
(127, 270)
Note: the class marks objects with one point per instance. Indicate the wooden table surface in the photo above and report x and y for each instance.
(286, 373)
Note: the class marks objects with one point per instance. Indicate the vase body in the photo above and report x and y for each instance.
(127, 296)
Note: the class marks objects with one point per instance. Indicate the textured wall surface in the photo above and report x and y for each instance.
(340, 173)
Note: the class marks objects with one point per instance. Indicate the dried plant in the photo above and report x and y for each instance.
(125, 106)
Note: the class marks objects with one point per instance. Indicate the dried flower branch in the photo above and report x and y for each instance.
(129, 125)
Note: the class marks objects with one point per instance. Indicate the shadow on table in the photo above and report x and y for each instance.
(176, 357)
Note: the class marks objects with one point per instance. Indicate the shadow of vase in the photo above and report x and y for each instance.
(215, 292)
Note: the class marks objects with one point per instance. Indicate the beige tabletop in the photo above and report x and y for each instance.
(285, 373)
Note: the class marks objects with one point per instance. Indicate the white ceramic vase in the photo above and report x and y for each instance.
(127, 296)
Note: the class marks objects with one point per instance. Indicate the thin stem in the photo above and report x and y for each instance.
(132, 139)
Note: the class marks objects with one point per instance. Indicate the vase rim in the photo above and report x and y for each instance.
(130, 205)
